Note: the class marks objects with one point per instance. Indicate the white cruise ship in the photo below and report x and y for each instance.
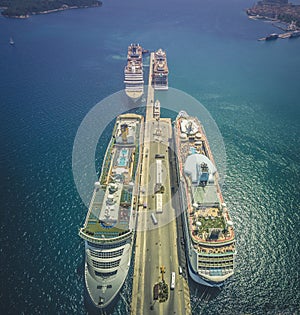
(133, 72)
(208, 230)
(109, 227)
(160, 71)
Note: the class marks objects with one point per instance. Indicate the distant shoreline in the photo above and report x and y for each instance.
(284, 13)
(62, 8)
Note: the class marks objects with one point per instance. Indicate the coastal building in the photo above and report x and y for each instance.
(274, 1)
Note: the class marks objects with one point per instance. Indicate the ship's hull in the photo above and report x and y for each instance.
(109, 228)
(272, 37)
(102, 291)
(210, 262)
(201, 280)
(133, 73)
(295, 34)
(161, 87)
(134, 95)
(160, 71)
(192, 269)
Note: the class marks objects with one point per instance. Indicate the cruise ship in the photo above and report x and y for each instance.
(160, 71)
(109, 227)
(133, 72)
(208, 229)
(295, 34)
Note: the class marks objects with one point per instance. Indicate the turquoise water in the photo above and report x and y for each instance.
(63, 64)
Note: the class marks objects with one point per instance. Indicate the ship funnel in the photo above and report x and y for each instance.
(112, 188)
(124, 132)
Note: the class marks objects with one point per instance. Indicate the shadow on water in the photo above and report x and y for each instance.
(80, 267)
(120, 305)
(90, 308)
(201, 296)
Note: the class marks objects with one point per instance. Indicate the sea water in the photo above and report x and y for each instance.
(63, 64)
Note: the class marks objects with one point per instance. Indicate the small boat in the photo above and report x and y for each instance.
(272, 36)
(295, 34)
(11, 41)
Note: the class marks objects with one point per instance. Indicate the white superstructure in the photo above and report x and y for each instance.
(133, 72)
(208, 230)
(109, 227)
(160, 71)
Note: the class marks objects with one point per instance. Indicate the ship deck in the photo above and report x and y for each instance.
(207, 213)
(160, 71)
(110, 209)
(99, 224)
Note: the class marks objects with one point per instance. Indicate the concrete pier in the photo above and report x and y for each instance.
(156, 244)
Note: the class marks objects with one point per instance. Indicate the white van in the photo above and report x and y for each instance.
(180, 270)
(172, 280)
(153, 218)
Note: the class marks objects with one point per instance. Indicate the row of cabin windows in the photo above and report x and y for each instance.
(105, 274)
(107, 254)
(107, 245)
(215, 259)
(106, 264)
(217, 264)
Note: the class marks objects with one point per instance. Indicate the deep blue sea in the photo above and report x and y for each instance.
(63, 64)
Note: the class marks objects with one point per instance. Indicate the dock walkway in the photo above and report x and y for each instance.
(156, 245)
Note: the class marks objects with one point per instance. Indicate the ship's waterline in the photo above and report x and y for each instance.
(209, 234)
(61, 66)
(109, 226)
(134, 80)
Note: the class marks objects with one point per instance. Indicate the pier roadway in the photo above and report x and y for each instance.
(156, 245)
(150, 95)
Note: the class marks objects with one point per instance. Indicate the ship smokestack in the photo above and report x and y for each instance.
(124, 132)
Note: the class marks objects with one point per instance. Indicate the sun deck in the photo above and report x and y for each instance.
(160, 70)
(111, 206)
(209, 221)
(216, 251)
(134, 81)
(135, 51)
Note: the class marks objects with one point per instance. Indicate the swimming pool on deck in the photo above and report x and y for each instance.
(123, 158)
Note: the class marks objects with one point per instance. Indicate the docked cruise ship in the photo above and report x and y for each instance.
(209, 233)
(160, 71)
(109, 227)
(133, 72)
